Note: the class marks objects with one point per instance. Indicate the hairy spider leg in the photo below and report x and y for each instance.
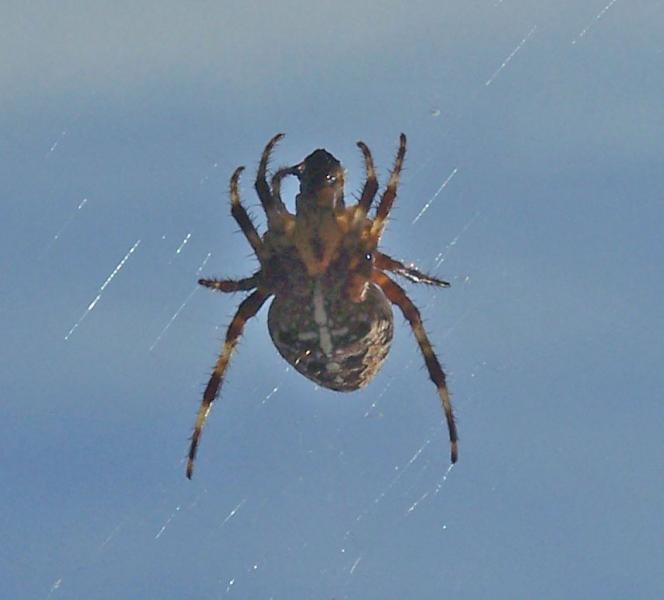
(247, 309)
(370, 185)
(242, 217)
(390, 193)
(397, 295)
(231, 285)
(276, 183)
(272, 206)
(387, 263)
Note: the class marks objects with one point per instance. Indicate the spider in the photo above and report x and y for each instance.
(331, 317)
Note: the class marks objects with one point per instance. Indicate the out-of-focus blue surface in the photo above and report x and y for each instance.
(550, 230)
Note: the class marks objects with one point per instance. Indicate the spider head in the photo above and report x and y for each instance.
(321, 177)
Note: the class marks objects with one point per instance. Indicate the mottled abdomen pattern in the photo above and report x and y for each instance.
(339, 344)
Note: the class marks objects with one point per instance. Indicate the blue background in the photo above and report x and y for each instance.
(550, 231)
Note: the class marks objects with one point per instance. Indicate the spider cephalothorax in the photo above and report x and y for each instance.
(331, 317)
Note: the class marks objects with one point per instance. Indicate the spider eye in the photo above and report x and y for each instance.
(330, 178)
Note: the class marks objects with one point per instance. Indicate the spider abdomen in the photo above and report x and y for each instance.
(338, 344)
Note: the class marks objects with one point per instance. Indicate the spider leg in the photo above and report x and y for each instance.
(247, 309)
(387, 263)
(242, 217)
(390, 193)
(397, 295)
(370, 185)
(231, 285)
(276, 183)
(272, 206)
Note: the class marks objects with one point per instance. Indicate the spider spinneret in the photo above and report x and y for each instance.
(331, 317)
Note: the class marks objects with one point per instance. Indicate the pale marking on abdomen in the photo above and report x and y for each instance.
(339, 331)
(320, 316)
(305, 336)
